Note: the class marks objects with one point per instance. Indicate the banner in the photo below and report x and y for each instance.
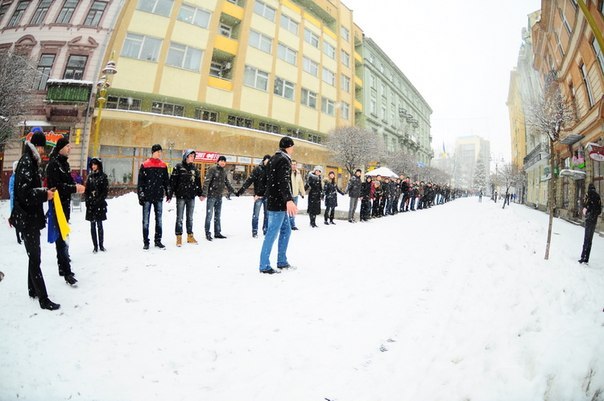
(61, 219)
(51, 224)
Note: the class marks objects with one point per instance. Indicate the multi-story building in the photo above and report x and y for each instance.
(393, 107)
(565, 41)
(468, 150)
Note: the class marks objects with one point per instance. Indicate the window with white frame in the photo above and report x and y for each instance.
(261, 42)
(40, 13)
(372, 81)
(311, 38)
(159, 7)
(309, 98)
(287, 54)
(195, 16)
(373, 102)
(141, 47)
(344, 33)
(587, 84)
(169, 109)
(345, 108)
(289, 24)
(598, 52)
(15, 19)
(264, 10)
(284, 88)
(345, 83)
(256, 78)
(310, 66)
(328, 106)
(345, 58)
(329, 76)
(183, 56)
(225, 30)
(329, 49)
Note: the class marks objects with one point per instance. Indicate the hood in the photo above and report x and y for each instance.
(186, 154)
(98, 162)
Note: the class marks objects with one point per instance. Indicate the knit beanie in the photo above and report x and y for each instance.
(61, 143)
(38, 139)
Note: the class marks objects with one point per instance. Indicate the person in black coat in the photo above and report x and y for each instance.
(353, 189)
(58, 175)
(213, 187)
(314, 189)
(592, 209)
(28, 213)
(366, 199)
(331, 190)
(258, 179)
(95, 197)
(185, 184)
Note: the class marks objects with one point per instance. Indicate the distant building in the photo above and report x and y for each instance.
(468, 150)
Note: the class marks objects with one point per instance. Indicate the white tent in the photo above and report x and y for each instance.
(383, 171)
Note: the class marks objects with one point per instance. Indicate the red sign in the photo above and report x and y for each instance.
(206, 157)
(51, 137)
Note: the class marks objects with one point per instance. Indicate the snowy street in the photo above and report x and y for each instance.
(450, 303)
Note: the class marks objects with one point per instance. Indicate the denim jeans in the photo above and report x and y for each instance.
(352, 208)
(181, 205)
(157, 207)
(292, 219)
(259, 203)
(278, 224)
(213, 207)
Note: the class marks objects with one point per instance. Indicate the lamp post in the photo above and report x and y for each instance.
(102, 85)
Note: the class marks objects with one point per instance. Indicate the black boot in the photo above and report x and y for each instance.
(101, 238)
(48, 304)
(94, 238)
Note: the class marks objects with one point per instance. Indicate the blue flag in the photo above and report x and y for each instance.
(53, 228)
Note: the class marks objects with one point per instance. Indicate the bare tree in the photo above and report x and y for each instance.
(17, 75)
(353, 147)
(549, 115)
(510, 176)
(399, 162)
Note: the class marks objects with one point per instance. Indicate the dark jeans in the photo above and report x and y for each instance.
(365, 208)
(590, 228)
(213, 207)
(330, 212)
(96, 241)
(63, 259)
(35, 280)
(181, 205)
(157, 207)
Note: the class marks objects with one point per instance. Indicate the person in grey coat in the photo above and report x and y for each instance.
(353, 189)
(213, 187)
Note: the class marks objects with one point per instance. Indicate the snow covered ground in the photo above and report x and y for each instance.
(450, 303)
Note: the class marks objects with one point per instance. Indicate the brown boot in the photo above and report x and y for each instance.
(179, 241)
(191, 239)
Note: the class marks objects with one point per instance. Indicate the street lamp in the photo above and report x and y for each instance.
(102, 85)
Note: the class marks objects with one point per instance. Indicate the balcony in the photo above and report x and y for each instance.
(358, 82)
(321, 8)
(226, 45)
(68, 91)
(358, 106)
(233, 10)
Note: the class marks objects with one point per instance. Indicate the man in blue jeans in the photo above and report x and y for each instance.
(280, 205)
(258, 178)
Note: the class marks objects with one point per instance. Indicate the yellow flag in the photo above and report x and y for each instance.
(61, 219)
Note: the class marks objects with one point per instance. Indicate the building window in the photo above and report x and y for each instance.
(287, 54)
(264, 10)
(314, 138)
(216, 69)
(344, 33)
(601, 8)
(40, 13)
(256, 78)
(345, 58)
(206, 115)
(311, 38)
(225, 30)
(268, 127)
(3, 10)
(141, 47)
(372, 81)
(123, 103)
(168, 109)
(44, 68)
(289, 24)
(159, 7)
(329, 49)
(587, 84)
(598, 52)
(565, 22)
(95, 13)
(15, 19)
(194, 15)
(261, 42)
(183, 56)
(66, 12)
(345, 83)
(310, 66)
(373, 102)
(239, 121)
(329, 76)
(284, 88)
(75, 67)
(345, 107)
(328, 106)
(309, 98)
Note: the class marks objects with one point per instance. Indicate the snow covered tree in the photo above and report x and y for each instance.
(17, 75)
(549, 115)
(353, 147)
(480, 175)
(400, 162)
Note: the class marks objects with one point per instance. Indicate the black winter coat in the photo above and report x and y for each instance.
(315, 192)
(58, 175)
(353, 189)
(95, 195)
(185, 181)
(330, 190)
(593, 204)
(258, 178)
(30, 195)
(153, 181)
(366, 190)
(278, 182)
(216, 180)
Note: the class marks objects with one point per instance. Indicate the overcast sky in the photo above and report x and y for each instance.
(458, 54)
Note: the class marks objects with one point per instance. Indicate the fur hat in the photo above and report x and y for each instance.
(222, 159)
(286, 142)
(318, 168)
(61, 143)
(156, 148)
(38, 138)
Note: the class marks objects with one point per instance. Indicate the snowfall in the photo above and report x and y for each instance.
(455, 302)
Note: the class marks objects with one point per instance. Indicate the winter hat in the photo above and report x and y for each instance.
(38, 138)
(222, 159)
(156, 148)
(187, 153)
(286, 142)
(61, 143)
(318, 168)
(591, 187)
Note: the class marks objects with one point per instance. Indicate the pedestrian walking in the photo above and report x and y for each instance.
(592, 208)
(297, 190)
(353, 189)
(315, 194)
(258, 179)
(280, 205)
(153, 185)
(213, 188)
(11, 194)
(95, 195)
(331, 191)
(185, 185)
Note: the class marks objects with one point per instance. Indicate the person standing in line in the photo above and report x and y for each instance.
(95, 195)
(258, 178)
(315, 194)
(366, 195)
(592, 207)
(297, 190)
(28, 213)
(58, 175)
(280, 205)
(378, 193)
(11, 193)
(153, 185)
(331, 191)
(353, 189)
(185, 185)
(213, 188)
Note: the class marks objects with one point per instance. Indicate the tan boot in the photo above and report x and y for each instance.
(179, 241)
(191, 239)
